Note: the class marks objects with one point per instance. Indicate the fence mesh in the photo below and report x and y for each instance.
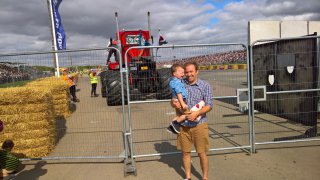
(89, 129)
(289, 70)
(223, 67)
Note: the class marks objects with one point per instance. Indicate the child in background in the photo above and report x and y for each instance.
(9, 163)
(180, 94)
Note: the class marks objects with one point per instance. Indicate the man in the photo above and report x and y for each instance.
(193, 132)
(112, 43)
(72, 85)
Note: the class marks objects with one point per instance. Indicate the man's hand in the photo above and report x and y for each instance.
(192, 116)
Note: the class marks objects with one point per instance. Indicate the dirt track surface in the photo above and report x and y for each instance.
(95, 129)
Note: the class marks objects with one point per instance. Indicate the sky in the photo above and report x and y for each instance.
(25, 25)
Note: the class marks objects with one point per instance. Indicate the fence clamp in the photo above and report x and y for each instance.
(124, 70)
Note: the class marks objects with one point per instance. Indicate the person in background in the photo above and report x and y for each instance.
(72, 85)
(9, 162)
(112, 43)
(94, 82)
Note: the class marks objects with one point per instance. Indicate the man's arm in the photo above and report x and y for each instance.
(194, 114)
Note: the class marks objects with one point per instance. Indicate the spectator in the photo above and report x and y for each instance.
(94, 81)
(9, 162)
(72, 85)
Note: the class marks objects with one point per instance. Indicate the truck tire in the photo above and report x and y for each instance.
(103, 83)
(113, 88)
(164, 91)
(104, 77)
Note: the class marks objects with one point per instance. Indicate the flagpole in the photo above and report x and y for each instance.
(54, 42)
(149, 29)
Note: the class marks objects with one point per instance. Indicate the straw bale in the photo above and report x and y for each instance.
(59, 92)
(31, 134)
(62, 96)
(35, 152)
(29, 122)
(29, 146)
(28, 118)
(34, 143)
(59, 102)
(27, 108)
(32, 125)
(23, 95)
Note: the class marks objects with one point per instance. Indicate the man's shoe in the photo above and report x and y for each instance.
(171, 130)
(176, 126)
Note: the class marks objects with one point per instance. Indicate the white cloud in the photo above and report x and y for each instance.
(90, 23)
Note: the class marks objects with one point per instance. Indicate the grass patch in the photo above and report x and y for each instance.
(15, 84)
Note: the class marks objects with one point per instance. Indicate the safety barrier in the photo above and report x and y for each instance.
(223, 67)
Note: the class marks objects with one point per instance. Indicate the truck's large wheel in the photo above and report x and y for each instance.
(104, 77)
(114, 97)
(113, 90)
(103, 83)
(164, 79)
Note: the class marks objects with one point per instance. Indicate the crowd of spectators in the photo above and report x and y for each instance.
(232, 57)
(9, 73)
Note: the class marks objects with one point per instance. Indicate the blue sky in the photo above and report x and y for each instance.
(25, 26)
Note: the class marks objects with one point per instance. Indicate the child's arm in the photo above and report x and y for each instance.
(182, 103)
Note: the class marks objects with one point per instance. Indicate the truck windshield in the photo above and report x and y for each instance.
(135, 40)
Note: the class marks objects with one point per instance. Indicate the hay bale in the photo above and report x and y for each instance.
(27, 114)
(21, 95)
(59, 91)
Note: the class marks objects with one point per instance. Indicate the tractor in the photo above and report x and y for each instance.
(145, 80)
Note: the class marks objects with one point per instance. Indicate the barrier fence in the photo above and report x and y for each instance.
(88, 129)
(228, 126)
(128, 119)
(289, 69)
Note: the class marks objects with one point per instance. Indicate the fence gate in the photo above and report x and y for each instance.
(288, 71)
(92, 130)
(149, 110)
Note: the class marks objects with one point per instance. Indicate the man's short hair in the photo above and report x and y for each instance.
(174, 68)
(192, 63)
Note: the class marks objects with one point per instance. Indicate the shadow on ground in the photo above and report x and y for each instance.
(32, 174)
(174, 161)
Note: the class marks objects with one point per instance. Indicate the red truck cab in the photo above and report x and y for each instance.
(129, 39)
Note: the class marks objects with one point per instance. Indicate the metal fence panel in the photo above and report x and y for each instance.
(222, 65)
(93, 130)
(289, 68)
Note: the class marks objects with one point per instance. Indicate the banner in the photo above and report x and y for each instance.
(58, 28)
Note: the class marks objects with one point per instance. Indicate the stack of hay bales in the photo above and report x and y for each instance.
(59, 91)
(28, 117)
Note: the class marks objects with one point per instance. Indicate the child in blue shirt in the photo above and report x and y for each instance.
(179, 93)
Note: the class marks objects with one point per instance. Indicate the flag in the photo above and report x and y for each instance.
(162, 40)
(58, 28)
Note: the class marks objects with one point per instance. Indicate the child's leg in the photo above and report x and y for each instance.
(180, 118)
